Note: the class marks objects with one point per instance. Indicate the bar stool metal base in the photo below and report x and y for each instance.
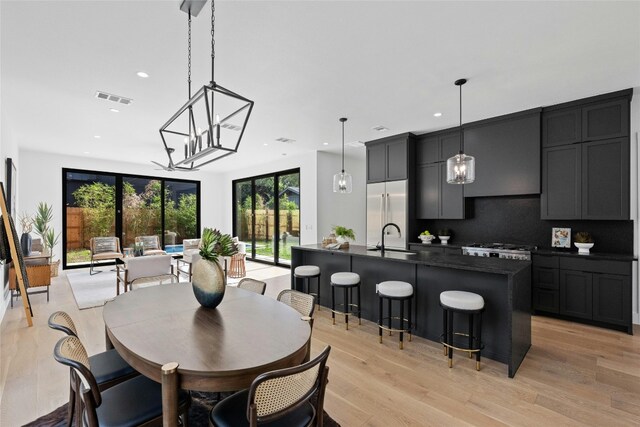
(401, 330)
(475, 344)
(306, 282)
(348, 307)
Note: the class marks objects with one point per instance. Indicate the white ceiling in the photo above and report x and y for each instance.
(305, 64)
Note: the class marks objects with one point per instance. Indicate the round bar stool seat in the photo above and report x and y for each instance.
(393, 290)
(306, 273)
(346, 281)
(464, 303)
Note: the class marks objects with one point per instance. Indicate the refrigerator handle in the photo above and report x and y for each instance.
(386, 211)
(382, 216)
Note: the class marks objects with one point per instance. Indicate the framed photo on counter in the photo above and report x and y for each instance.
(560, 237)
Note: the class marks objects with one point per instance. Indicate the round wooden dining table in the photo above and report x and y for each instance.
(166, 335)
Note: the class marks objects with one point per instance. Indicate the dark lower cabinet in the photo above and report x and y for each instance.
(596, 291)
(611, 298)
(576, 295)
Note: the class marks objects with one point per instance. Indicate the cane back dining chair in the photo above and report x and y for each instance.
(253, 285)
(281, 397)
(135, 402)
(301, 302)
(108, 368)
(103, 249)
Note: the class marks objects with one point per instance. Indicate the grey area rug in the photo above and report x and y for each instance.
(201, 404)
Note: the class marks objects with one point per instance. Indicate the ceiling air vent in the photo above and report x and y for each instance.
(355, 144)
(286, 140)
(380, 128)
(230, 126)
(114, 98)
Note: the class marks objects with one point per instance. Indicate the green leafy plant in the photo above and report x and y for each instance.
(51, 239)
(44, 215)
(426, 233)
(582, 237)
(444, 232)
(214, 244)
(344, 232)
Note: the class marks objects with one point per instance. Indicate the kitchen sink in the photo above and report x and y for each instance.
(402, 251)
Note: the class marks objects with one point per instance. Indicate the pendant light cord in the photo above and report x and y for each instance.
(189, 55)
(461, 135)
(343, 147)
(213, 41)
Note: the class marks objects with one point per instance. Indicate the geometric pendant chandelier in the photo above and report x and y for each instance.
(210, 125)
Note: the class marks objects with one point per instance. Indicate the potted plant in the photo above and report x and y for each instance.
(208, 279)
(426, 237)
(583, 242)
(26, 223)
(41, 220)
(343, 234)
(50, 241)
(444, 235)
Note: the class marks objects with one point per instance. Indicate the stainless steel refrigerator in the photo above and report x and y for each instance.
(387, 202)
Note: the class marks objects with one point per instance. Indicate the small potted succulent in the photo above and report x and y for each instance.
(343, 234)
(583, 242)
(444, 235)
(426, 237)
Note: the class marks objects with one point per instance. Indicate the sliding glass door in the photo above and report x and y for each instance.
(100, 204)
(266, 215)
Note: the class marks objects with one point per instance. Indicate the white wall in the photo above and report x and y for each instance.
(635, 197)
(40, 180)
(348, 210)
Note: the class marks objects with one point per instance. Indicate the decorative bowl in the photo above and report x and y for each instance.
(583, 248)
(444, 240)
(427, 239)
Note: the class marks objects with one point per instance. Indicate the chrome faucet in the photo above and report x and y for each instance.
(383, 228)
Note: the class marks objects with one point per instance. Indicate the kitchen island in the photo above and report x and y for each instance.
(504, 284)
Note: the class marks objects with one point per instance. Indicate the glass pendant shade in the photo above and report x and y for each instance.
(461, 169)
(342, 183)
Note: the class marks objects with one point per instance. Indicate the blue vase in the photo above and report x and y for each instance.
(208, 282)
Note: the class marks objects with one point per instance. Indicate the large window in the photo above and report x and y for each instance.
(266, 215)
(101, 204)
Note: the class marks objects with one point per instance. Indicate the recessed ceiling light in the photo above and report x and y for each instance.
(380, 128)
(96, 136)
(113, 110)
(265, 144)
(325, 143)
(142, 74)
(437, 114)
(284, 154)
(86, 152)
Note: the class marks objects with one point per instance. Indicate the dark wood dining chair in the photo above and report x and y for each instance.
(280, 397)
(108, 368)
(135, 402)
(253, 285)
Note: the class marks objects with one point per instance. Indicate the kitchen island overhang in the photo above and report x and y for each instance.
(504, 284)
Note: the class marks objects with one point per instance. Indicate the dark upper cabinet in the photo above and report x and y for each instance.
(561, 182)
(507, 156)
(576, 294)
(612, 298)
(376, 163)
(605, 120)
(428, 151)
(435, 198)
(605, 179)
(451, 197)
(428, 191)
(561, 127)
(388, 158)
(438, 148)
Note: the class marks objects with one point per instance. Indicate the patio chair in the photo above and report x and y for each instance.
(143, 269)
(151, 245)
(103, 249)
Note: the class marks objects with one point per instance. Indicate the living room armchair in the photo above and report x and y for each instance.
(142, 269)
(104, 249)
(150, 245)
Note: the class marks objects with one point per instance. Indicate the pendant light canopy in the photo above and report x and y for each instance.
(342, 182)
(461, 168)
(210, 125)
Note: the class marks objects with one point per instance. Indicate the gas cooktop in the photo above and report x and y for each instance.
(503, 246)
(499, 250)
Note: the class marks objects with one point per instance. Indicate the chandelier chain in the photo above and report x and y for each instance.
(213, 41)
(189, 56)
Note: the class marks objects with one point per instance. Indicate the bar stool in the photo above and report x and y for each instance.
(347, 281)
(306, 273)
(462, 303)
(394, 291)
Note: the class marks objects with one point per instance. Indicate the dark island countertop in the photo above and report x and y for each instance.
(459, 262)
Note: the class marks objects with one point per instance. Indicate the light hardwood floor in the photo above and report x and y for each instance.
(573, 374)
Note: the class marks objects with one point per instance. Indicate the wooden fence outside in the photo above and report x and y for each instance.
(289, 222)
